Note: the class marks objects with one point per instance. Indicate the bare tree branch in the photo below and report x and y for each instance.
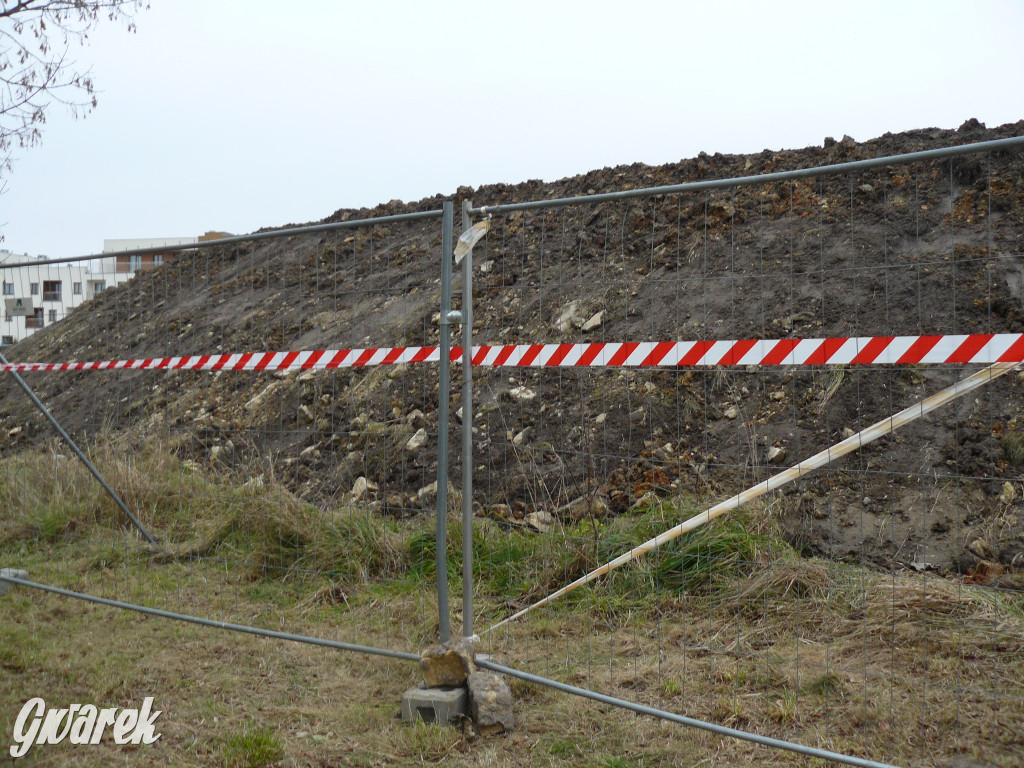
(35, 69)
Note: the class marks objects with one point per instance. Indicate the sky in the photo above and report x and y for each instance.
(239, 114)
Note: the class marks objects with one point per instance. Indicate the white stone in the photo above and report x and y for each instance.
(361, 486)
(540, 521)
(417, 441)
(522, 394)
(427, 493)
(569, 318)
(594, 322)
(1008, 494)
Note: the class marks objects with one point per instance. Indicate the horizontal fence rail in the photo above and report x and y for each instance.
(252, 237)
(995, 145)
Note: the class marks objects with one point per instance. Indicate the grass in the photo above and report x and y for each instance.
(1013, 447)
(254, 746)
(727, 624)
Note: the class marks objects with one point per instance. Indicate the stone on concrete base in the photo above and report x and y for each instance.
(14, 573)
(448, 664)
(434, 705)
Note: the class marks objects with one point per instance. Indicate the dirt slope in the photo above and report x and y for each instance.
(927, 248)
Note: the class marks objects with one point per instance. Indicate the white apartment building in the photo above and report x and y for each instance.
(37, 295)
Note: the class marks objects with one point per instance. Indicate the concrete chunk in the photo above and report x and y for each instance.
(490, 702)
(448, 664)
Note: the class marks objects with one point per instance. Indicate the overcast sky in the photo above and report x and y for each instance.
(240, 114)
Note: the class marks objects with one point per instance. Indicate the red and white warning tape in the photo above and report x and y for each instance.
(861, 350)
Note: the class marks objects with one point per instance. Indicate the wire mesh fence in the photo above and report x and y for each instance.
(288, 473)
(869, 602)
(641, 356)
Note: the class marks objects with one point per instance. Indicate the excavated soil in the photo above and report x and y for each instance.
(927, 248)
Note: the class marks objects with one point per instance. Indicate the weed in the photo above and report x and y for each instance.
(695, 560)
(431, 743)
(833, 381)
(252, 747)
(1013, 447)
(616, 762)
(828, 684)
(785, 709)
(564, 748)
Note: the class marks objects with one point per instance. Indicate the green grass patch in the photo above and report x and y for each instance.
(252, 747)
(1013, 447)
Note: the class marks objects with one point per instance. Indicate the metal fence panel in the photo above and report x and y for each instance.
(287, 475)
(836, 610)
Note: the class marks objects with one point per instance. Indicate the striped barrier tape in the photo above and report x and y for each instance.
(860, 350)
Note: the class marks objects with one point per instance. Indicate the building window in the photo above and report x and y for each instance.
(7, 341)
(8, 288)
(134, 263)
(76, 288)
(51, 290)
(33, 288)
(158, 259)
(35, 320)
(53, 315)
(99, 285)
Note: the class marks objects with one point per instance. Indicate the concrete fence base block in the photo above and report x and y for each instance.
(434, 705)
(13, 573)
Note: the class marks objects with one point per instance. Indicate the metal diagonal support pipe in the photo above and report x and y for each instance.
(78, 452)
(721, 730)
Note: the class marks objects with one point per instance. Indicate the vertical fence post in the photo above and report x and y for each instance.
(443, 399)
(467, 434)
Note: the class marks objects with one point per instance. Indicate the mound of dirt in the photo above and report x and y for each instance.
(911, 249)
